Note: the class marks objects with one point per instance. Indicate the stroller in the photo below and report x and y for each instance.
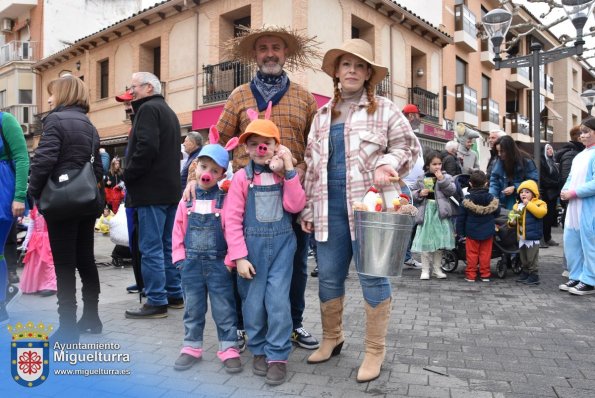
(505, 247)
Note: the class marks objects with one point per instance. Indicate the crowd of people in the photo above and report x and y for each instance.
(297, 170)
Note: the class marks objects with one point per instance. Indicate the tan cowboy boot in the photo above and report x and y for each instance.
(331, 313)
(376, 327)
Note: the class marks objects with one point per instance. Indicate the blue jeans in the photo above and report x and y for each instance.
(299, 277)
(334, 255)
(201, 277)
(161, 278)
(4, 230)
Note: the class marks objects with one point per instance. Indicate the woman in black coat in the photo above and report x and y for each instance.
(69, 140)
(549, 187)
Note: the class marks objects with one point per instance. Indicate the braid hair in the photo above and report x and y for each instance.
(371, 97)
(336, 98)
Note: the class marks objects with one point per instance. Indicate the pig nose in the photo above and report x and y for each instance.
(262, 149)
(206, 178)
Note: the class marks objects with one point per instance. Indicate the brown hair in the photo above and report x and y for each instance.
(370, 90)
(69, 90)
(112, 167)
(575, 132)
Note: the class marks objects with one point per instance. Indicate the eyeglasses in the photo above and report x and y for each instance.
(137, 85)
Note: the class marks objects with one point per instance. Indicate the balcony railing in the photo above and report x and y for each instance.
(519, 123)
(466, 99)
(383, 88)
(427, 102)
(489, 111)
(23, 113)
(17, 51)
(465, 20)
(522, 71)
(219, 80)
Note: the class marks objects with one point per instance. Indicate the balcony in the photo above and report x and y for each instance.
(383, 88)
(221, 79)
(17, 51)
(519, 78)
(13, 9)
(490, 115)
(548, 86)
(465, 30)
(427, 102)
(487, 53)
(519, 127)
(466, 105)
(23, 114)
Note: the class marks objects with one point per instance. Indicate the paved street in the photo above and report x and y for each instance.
(447, 338)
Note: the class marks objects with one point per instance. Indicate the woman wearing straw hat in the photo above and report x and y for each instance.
(356, 140)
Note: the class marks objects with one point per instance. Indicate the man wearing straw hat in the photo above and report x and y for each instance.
(293, 108)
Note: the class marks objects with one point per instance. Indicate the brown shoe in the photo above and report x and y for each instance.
(185, 362)
(232, 365)
(259, 365)
(276, 374)
(176, 303)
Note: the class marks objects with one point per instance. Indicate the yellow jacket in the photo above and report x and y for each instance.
(530, 227)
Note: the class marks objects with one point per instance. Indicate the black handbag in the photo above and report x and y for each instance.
(75, 194)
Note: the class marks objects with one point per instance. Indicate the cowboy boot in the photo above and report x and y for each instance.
(331, 313)
(376, 328)
(426, 259)
(437, 265)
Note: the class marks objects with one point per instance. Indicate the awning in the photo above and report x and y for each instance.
(114, 140)
(552, 114)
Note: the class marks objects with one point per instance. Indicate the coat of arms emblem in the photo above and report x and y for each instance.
(30, 353)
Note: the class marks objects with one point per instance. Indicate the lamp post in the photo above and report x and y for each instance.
(497, 22)
(588, 97)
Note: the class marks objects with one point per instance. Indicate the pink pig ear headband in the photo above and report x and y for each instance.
(215, 151)
(263, 127)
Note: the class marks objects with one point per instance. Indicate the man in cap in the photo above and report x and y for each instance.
(293, 109)
(412, 113)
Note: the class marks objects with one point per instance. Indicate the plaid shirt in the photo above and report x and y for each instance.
(293, 116)
(384, 137)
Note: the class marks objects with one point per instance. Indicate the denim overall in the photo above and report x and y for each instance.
(334, 256)
(271, 246)
(7, 188)
(203, 272)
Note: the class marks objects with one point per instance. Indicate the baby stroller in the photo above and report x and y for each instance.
(505, 247)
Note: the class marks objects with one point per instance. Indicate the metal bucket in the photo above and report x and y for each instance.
(382, 240)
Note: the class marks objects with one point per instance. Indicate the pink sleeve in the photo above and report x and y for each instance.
(178, 250)
(233, 217)
(294, 197)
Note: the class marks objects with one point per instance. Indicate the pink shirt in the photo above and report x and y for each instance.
(294, 200)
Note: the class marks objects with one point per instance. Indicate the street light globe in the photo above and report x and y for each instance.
(496, 24)
(578, 12)
(588, 97)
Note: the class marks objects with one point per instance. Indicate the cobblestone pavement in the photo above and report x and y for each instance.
(447, 338)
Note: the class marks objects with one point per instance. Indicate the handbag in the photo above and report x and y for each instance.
(75, 194)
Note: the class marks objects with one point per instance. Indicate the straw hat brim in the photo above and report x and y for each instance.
(302, 50)
(330, 59)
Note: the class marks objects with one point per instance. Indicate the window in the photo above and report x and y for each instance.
(3, 99)
(354, 32)
(575, 84)
(25, 96)
(230, 26)
(485, 86)
(104, 79)
(245, 22)
(362, 29)
(461, 71)
(157, 62)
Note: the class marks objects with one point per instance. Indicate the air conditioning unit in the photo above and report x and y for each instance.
(6, 25)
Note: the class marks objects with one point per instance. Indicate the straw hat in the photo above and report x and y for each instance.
(302, 50)
(360, 49)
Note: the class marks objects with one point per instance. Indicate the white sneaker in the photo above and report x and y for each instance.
(425, 275)
(413, 263)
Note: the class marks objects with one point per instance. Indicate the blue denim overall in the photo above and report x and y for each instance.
(334, 256)
(271, 246)
(7, 188)
(203, 272)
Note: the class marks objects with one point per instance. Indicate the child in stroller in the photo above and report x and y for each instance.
(504, 248)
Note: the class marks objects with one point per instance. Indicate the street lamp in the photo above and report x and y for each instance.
(497, 22)
(588, 97)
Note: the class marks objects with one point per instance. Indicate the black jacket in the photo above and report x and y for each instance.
(450, 163)
(478, 216)
(152, 173)
(549, 181)
(67, 142)
(565, 156)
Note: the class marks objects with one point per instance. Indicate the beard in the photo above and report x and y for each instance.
(271, 69)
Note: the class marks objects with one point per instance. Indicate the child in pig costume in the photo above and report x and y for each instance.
(198, 250)
(261, 242)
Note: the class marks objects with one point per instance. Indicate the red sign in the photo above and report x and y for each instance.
(437, 132)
